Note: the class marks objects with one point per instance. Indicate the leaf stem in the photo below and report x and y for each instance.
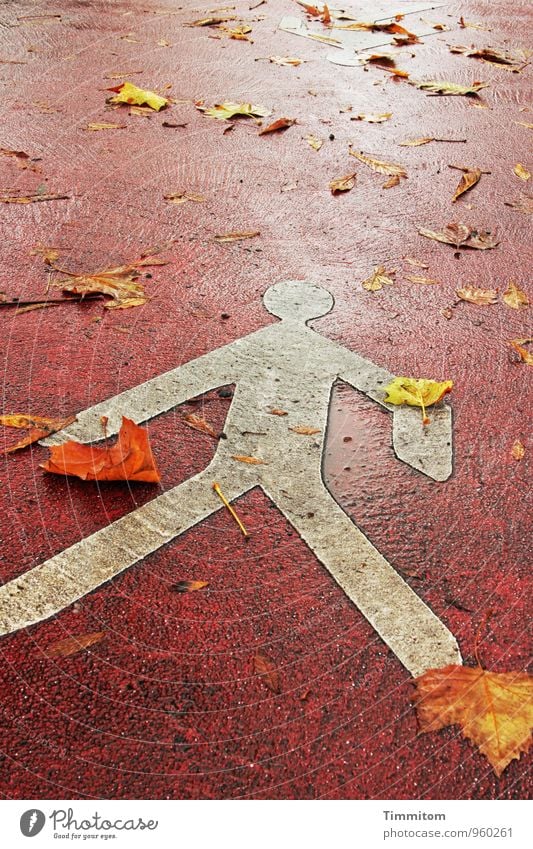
(226, 504)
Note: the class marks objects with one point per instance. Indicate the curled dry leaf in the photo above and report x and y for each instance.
(252, 461)
(379, 165)
(134, 96)
(415, 278)
(239, 33)
(493, 709)
(517, 450)
(32, 198)
(183, 197)
(129, 459)
(379, 278)
(285, 61)
(268, 672)
(314, 142)
(342, 184)
(515, 297)
(524, 354)
(305, 430)
(445, 87)
(510, 59)
(522, 172)
(372, 117)
(462, 235)
(120, 283)
(188, 586)
(467, 181)
(38, 426)
(228, 109)
(481, 297)
(73, 645)
(105, 125)
(391, 182)
(211, 22)
(280, 124)
(236, 237)
(416, 142)
(417, 392)
(522, 204)
(197, 423)
(278, 412)
(22, 159)
(416, 263)
(49, 255)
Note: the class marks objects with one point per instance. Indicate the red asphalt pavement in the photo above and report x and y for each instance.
(168, 705)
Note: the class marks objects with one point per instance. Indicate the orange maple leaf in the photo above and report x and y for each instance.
(493, 709)
(129, 459)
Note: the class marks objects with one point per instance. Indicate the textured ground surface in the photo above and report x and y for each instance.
(167, 705)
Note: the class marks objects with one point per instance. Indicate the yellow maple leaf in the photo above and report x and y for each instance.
(131, 94)
(417, 392)
(379, 278)
(493, 709)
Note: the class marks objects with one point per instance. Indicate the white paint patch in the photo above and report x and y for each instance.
(284, 366)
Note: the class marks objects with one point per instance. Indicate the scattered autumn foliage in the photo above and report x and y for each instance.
(493, 709)
(462, 236)
(129, 459)
(39, 427)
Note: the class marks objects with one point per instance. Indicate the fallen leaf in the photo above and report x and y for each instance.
(37, 306)
(32, 198)
(522, 172)
(197, 423)
(374, 26)
(278, 412)
(372, 117)
(38, 426)
(228, 109)
(342, 184)
(211, 22)
(141, 111)
(378, 279)
(105, 125)
(510, 59)
(174, 125)
(416, 263)
(415, 278)
(236, 237)
(49, 255)
(379, 165)
(315, 143)
(518, 450)
(524, 124)
(464, 24)
(524, 354)
(522, 204)
(481, 297)
(305, 430)
(286, 61)
(444, 87)
(461, 235)
(252, 461)
(416, 142)
(23, 160)
(493, 709)
(417, 392)
(183, 197)
(120, 283)
(239, 33)
(188, 586)
(132, 95)
(163, 43)
(280, 124)
(268, 672)
(73, 645)
(129, 459)
(391, 182)
(515, 297)
(467, 181)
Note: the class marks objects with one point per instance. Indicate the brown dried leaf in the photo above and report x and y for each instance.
(372, 117)
(197, 423)
(236, 237)
(379, 165)
(268, 672)
(342, 184)
(415, 262)
(188, 586)
(379, 278)
(416, 142)
(73, 645)
(49, 255)
(522, 204)
(481, 297)
(518, 450)
(183, 197)
(285, 61)
(38, 426)
(515, 297)
(280, 124)
(211, 22)
(305, 430)
(467, 181)
(461, 235)
(252, 461)
(391, 182)
(524, 354)
(414, 278)
(105, 125)
(278, 412)
(522, 172)
(120, 283)
(32, 198)
(23, 160)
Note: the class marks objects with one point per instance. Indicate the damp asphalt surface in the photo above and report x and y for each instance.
(168, 703)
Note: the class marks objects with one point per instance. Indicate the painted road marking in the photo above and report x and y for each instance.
(284, 366)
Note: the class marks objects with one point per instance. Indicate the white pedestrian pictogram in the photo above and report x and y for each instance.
(285, 366)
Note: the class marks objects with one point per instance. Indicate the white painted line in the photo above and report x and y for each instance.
(284, 366)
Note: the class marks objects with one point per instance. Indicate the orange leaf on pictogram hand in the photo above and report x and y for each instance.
(130, 459)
